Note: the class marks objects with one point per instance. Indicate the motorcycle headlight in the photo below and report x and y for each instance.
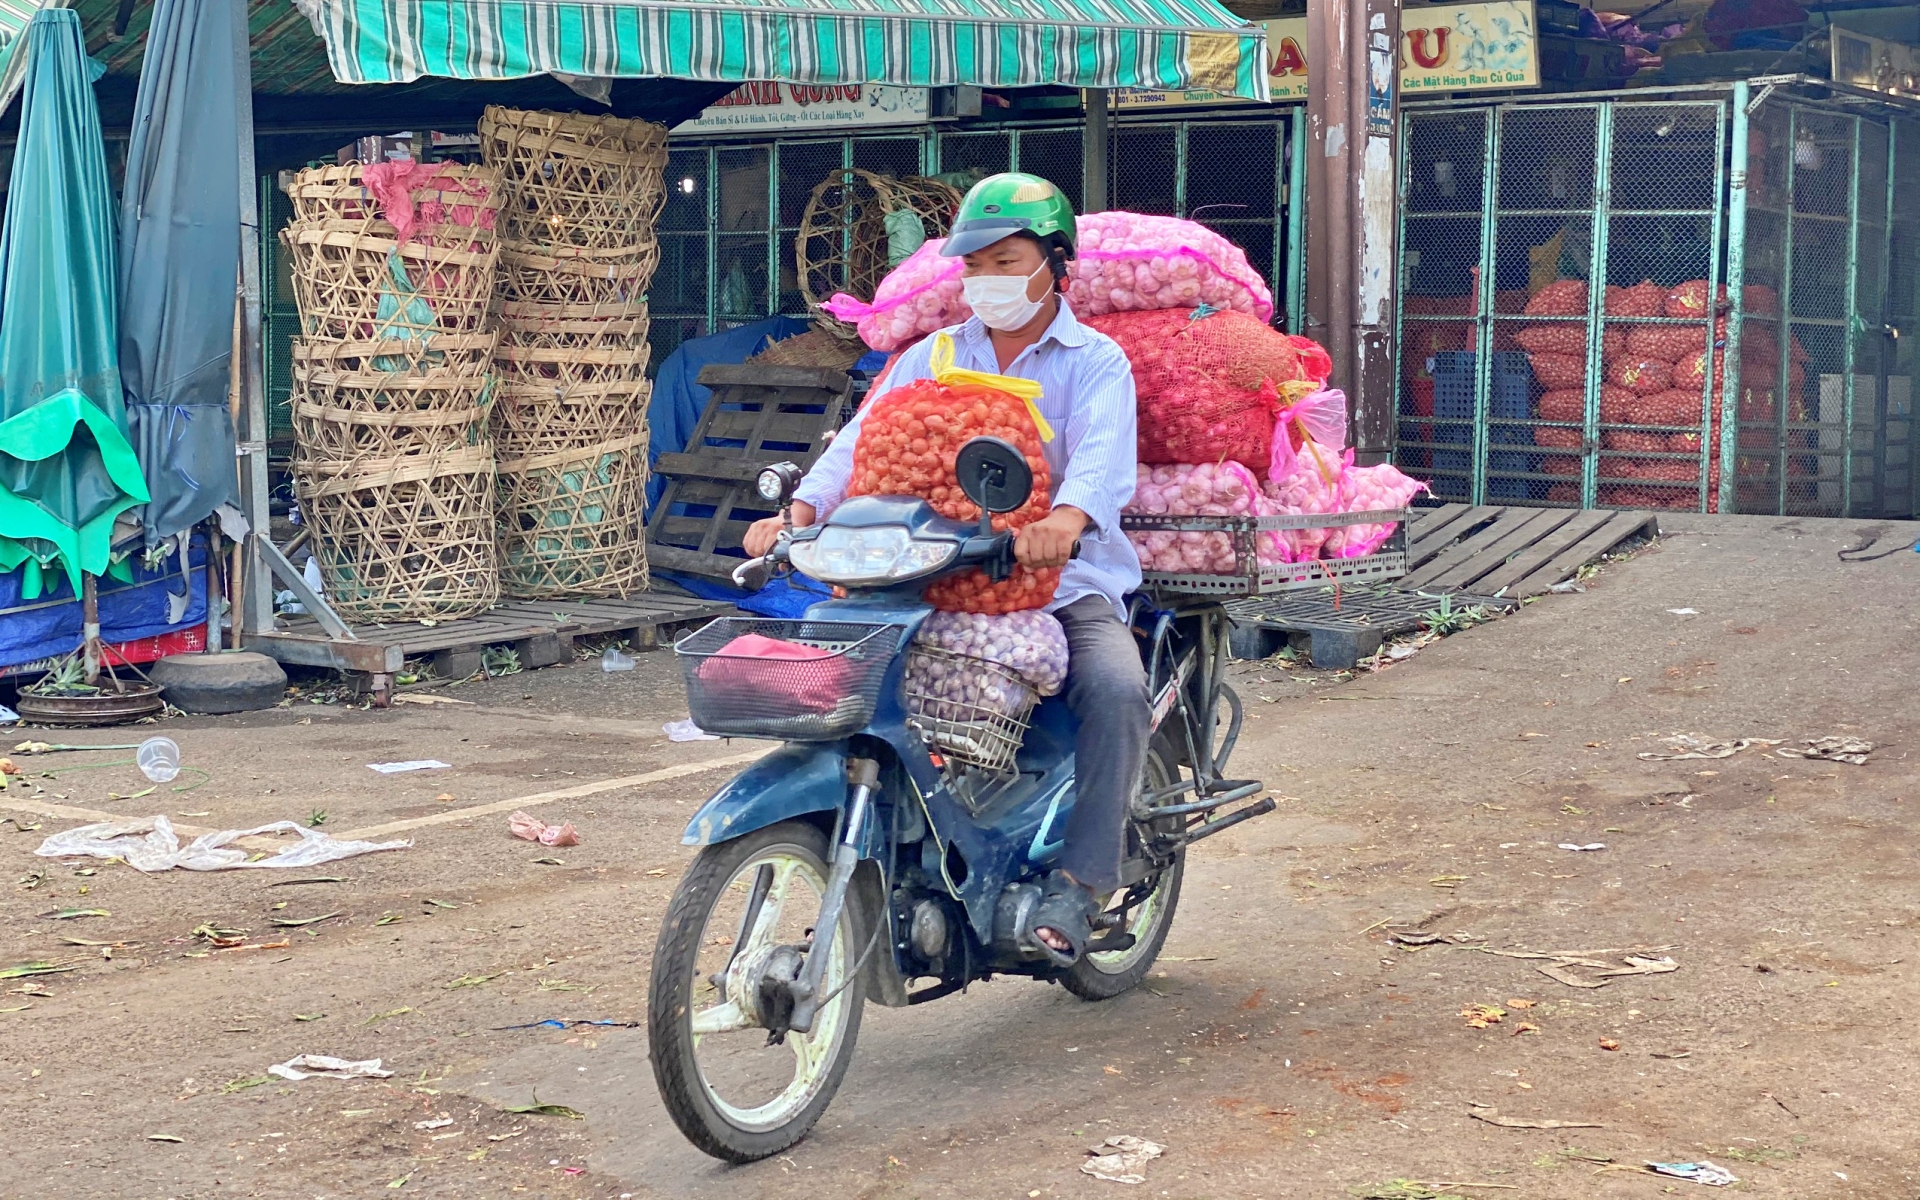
(874, 554)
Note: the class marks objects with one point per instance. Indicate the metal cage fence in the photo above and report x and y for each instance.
(1685, 303)
(734, 208)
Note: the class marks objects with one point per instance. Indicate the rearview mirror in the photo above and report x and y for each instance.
(994, 474)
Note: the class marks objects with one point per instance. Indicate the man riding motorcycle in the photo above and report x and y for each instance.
(1015, 233)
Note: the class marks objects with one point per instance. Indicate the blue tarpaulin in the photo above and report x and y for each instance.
(31, 630)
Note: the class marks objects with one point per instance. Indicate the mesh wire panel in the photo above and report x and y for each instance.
(1658, 360)
(1541, 374)
(1233, 186)
(1053, 154)
(1903, 307)
(1144, 169)
(1445, 157)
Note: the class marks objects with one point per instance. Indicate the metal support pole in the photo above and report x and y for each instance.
(1296, 200)
(1783, 398)
(1094, 136)
(1596, 298)
(256, 587)
(1738, 166)
(1353, 125)
(1849, 343)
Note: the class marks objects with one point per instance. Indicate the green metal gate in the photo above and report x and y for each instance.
(1735, 350)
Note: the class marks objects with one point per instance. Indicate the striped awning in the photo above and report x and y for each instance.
(909, 43)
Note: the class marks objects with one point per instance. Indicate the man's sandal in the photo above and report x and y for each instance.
(1066, 908)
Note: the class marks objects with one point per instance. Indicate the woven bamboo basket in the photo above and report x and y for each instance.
(455, 195)
(405, 537)
(394, 362)
(842, 245)
(523, 317)
(589, 182)
(530, 274)
(355, 281)
(332, 433)
(561, 369)
(531, 327)
(541, 419)
(572, 521)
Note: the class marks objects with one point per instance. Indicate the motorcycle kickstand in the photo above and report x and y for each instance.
(864, 773)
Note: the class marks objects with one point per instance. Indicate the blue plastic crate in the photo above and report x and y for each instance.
(1510, 398)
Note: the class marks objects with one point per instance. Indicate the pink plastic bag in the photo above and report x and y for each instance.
(1316, 482)
(1372, 489)
(1319, 416)
(1127, 262)
(740, 666)
(394, 183)
(920, 295)
(1224, 489)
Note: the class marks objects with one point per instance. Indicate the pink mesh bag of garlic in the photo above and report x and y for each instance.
(1130, 262)
(1370, 490)
(1224, 489)
(917, 297)
(1315, 481)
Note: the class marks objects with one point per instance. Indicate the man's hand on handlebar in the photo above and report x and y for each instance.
(761, 534)
(1049, 541)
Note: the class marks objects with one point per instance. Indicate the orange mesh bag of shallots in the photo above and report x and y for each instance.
(908, 440)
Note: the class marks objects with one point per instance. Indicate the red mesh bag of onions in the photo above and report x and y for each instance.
(907, 443)
(1206, 382)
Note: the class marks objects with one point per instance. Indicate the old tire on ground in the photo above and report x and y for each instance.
(229, 682)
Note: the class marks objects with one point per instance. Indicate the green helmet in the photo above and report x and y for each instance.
(1002, 205)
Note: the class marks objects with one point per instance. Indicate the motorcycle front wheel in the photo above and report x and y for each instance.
(731, 1093)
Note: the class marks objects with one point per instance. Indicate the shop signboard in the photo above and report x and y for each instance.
(1876, 64)
(1443, 48)
(754, 107)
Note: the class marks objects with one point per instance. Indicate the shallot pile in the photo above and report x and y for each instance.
(907, 443)
(1657, 354)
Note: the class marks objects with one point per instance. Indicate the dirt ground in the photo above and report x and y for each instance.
(1286, 1048)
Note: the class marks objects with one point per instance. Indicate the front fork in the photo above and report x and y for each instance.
(864, 775)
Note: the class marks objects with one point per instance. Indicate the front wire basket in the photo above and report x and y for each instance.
(974, 710)
(810, 700)
(1252, 577)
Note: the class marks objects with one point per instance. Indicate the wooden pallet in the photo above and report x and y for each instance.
(1511, 551)
(759, 415)
(541, 632)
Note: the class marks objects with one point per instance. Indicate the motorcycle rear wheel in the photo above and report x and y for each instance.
(1105, 975)
(726, 1095)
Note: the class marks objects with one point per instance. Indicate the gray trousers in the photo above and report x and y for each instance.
(1107, 691)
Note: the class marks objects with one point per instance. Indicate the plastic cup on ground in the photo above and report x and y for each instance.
(158, 759)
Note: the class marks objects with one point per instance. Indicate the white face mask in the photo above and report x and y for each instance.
(1000, 301)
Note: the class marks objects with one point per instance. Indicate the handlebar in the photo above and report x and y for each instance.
(993, 554)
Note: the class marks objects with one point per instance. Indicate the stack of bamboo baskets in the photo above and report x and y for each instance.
(570, 421)
(394, 465)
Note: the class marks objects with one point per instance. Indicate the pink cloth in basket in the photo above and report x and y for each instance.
(737, 666)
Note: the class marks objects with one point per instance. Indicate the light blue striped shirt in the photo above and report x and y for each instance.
(1086, 394)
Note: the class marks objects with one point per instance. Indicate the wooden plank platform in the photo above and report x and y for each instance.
(1511, 550)
(540, 631)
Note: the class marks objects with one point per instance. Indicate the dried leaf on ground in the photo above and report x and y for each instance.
(1479, 1016)
(545, 1110)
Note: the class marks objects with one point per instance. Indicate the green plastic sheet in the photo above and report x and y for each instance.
(66, 467)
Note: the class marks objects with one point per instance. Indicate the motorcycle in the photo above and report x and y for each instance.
(894, 847)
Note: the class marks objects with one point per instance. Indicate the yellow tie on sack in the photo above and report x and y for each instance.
(941, 361)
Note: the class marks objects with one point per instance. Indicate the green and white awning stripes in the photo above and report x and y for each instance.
(910, 43)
